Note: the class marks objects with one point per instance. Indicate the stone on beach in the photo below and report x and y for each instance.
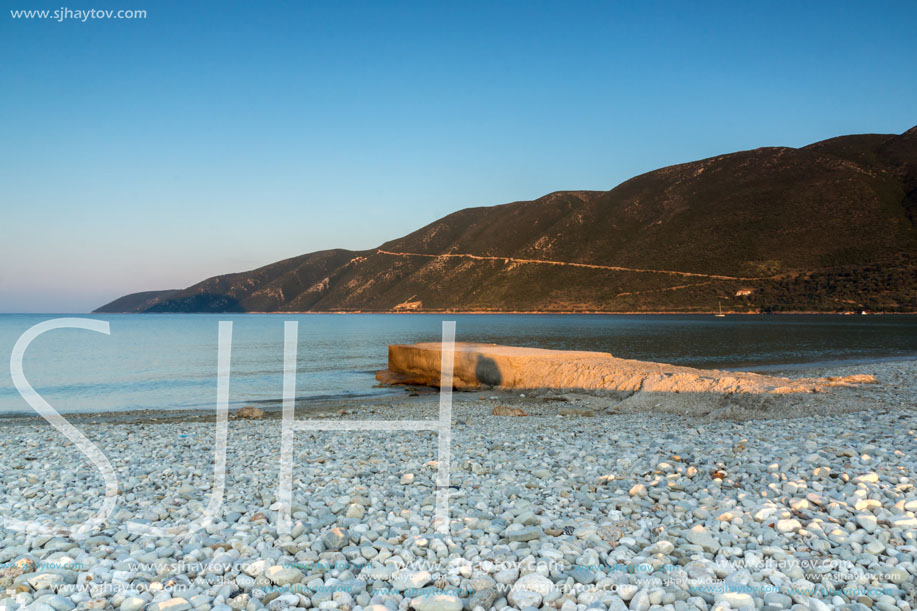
(355, 510)
(437, 602)
(575, 411)
(405, 580)
(518, 532)
(503, 410)
(335, 538)
(172, 604)
(699, 535)
(637, 490)
(283, 576)
(529, 590)
(132, 603)
(250, 413)
(868, 522)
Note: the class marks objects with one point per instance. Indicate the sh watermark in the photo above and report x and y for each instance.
(442, 425)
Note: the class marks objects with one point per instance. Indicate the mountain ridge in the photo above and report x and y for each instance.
(825, 227)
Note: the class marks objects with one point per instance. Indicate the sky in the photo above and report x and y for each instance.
(207, 138)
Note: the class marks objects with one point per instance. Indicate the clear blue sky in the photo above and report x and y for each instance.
(216, 137)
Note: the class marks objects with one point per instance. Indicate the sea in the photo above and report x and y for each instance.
(169, 361)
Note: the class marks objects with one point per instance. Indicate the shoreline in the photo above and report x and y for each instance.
(409, 395)
(527, 313)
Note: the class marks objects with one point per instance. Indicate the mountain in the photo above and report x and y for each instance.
(825, 227)
(137, 302)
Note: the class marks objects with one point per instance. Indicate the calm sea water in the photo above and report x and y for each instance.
(169, 361)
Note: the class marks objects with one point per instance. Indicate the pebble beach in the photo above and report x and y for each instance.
(585, 502)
